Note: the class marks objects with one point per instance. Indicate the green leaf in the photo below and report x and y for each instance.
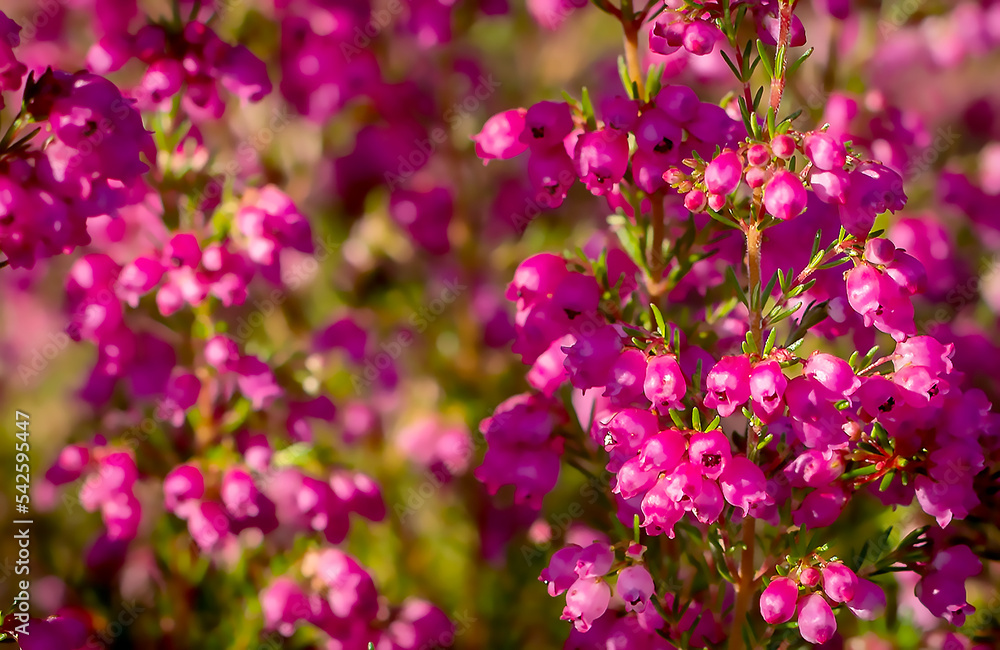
(765, 60)
(588, 109)
(731, 276)
(769, 344)
(732, 66)
(860, 471)
(795, 66)
(660, 326)
(675, 415)
(768, 288)
(696, 418)
(654, 80)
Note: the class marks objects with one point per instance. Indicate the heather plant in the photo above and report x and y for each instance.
(423, 324)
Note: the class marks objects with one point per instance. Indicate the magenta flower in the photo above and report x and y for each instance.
(664, 384)
(825, 151)
(942, 588)
(700, 37)
(784, 196)
(868, 602)
(601, 158)
(743, 484)
(634, 479)
(183, 483)
(561, 571)
(722, 176)
(728, 385)
(500, 137)
(820, 508)
(777, 602)
(657, 132)
(767, 387)
(586, 600)
(839, 582)
(546, 124)
(817, 623)
(830, 186)
(663, 451)
(635, 587)
(710, 452)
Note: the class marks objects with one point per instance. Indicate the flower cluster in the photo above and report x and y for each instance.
(74, 151)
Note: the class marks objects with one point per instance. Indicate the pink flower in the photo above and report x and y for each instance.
(664, 384)
(635, 587)
(710, 452)
(777, 602)
(784, 196)
(722, 176)
(868, 601)
(816, 621)
(839, 582)
(586, 601)
(728, 385)
(501, 136)
(743, 484)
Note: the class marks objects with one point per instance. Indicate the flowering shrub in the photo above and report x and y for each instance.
(265, 312)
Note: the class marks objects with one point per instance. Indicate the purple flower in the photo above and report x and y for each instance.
(594, 561)
(942, 589)
(820, 508)
(830, 186)
(634, 479)
(833, 374)
(814, 468)
(560, 574)
(869, 600)
(283, 604)
(257, 382)
(601, 158)
(551, 172)
(656, 132)
(590, 358)
(425, 216)
(546, 124)
(777, 602)
(700, 37)
(660, 510)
